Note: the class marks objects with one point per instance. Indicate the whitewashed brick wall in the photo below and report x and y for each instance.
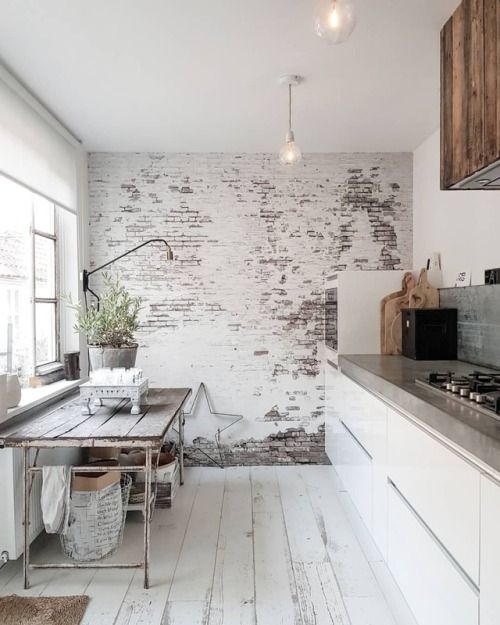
(241, 306)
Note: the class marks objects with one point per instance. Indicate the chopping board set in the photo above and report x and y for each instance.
(411, 295)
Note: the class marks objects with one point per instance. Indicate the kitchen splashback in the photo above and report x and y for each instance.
(478, 322)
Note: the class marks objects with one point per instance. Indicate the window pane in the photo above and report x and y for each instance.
(16, 325)
(45, 323)
(45, 269)
(43, 214)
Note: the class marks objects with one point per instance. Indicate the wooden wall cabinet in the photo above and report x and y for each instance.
(470, 91)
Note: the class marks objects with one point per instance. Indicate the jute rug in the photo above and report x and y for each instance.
(16, 610)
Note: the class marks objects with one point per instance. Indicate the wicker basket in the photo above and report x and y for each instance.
(96, 521)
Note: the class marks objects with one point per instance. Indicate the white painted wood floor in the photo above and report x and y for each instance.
(241, 546)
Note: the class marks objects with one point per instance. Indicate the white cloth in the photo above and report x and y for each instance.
(56, 491)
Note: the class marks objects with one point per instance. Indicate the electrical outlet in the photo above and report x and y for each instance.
(492, 276)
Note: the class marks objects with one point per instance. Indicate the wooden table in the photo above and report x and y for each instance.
(111, 425)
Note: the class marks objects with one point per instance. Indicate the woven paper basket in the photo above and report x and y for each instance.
(97, 521)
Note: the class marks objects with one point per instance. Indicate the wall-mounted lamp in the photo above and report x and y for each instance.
(86, 274)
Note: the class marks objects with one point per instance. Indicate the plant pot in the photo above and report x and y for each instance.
(112, 357)
(13, 390)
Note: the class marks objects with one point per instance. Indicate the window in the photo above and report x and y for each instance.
(35, 236)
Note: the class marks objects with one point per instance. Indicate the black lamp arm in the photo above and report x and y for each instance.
(86, 274)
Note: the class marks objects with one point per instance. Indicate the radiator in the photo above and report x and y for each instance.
(11, 496)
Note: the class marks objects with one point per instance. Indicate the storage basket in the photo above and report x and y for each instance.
(96, 521)
(164, 486)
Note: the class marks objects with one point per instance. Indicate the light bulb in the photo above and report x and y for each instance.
(335, 20)
(290, 153)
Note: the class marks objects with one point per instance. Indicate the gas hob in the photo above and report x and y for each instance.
(479, 390)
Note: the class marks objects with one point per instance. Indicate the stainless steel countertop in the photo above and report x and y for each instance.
(392, 378)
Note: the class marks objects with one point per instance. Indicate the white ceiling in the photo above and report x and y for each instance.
(199, 75)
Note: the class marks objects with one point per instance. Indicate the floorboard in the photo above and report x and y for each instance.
(275, 586)
(146, 607)
(319, 595)
(233, 594)
(364, 600)
(240, 546)
(194, 574)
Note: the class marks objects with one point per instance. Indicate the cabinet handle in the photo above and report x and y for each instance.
(356, 440)
(449, 556)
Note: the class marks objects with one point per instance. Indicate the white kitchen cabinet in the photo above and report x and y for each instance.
(354, 467)
(379, 481)
(360, 410)
(490, 552)
(443, 488)
(356, 437)
(431, 512)
(435, 588)
(332, 381)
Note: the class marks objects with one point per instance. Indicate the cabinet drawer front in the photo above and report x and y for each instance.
(354, 467)
(364, 414)
(443, 489)
(436, 590)
(379, 506)
(332, 381)
(490, 552)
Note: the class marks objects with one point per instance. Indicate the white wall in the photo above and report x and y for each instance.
(463, 226)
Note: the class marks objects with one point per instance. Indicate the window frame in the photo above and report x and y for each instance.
(44, 367)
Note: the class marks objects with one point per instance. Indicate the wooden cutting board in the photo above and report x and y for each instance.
(424, 295)
(406, 285)
(393, 332)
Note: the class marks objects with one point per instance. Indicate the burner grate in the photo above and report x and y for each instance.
(478, 389)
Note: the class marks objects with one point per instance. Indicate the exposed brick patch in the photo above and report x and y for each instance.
(293, 446)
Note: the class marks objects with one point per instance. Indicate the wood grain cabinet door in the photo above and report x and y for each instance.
(492, 80)
(470, 90)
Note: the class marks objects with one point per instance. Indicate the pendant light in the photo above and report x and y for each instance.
(290, 153)
(335, 20)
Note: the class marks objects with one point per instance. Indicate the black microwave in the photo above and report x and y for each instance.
(429, 333)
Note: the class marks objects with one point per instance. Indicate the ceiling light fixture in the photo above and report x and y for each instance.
(335, 20)
(290, 153)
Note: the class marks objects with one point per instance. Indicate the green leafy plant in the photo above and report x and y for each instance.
(116, 320)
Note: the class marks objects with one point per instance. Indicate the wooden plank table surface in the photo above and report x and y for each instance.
(110, 425)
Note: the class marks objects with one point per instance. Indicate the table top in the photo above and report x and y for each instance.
(111, 425)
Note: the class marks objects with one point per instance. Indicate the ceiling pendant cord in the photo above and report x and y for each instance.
(289, 107)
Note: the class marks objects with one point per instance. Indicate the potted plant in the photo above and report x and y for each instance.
(110, 327)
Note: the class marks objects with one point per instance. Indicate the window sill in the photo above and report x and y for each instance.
(35, 397)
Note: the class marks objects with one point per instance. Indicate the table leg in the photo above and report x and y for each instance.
(147, 515)
(26, 516)
(181, 446)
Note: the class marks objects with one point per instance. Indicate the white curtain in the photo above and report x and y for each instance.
(33, 152)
